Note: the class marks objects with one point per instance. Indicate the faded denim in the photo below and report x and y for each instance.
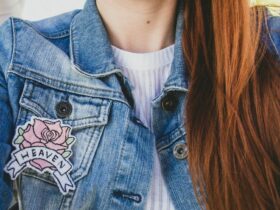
(69, 58)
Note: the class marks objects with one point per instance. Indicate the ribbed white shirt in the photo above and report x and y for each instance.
(147, 73)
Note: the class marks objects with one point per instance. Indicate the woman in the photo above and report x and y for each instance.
(92, 107)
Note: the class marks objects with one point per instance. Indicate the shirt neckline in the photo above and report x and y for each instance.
(143, 61)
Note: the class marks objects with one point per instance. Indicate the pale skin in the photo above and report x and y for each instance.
(139, 25)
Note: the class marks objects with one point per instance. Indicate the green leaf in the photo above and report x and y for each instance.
(21, 131)
(66, 154)
(70, 140)
(19, 140)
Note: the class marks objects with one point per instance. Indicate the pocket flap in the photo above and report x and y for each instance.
(85, 111)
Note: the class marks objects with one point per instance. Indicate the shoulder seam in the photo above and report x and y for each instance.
(57, 35)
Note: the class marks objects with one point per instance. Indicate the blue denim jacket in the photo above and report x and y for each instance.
(60, 71)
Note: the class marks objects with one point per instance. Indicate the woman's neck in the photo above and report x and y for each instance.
(139, 25)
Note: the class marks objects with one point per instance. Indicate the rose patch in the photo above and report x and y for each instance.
(44, 145)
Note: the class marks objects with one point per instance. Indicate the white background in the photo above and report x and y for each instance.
(39, 9)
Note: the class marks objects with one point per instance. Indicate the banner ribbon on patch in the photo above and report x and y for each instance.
(63, 167)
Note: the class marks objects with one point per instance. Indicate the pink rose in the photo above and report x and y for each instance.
(47, 134)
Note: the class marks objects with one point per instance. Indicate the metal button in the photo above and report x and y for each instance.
(169, 102)
(63, 109)
(180, 151)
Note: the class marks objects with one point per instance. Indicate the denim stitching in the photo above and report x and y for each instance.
(117, 96)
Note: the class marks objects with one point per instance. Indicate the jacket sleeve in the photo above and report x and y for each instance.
(274, 28)
(6, 115)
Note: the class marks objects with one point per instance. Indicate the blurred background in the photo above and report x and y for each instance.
(36, 9)
(39, 9)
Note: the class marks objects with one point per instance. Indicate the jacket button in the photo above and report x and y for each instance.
(63, 109)
(180, 151)
(169, 102)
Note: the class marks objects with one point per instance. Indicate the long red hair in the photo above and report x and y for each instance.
(233, 106)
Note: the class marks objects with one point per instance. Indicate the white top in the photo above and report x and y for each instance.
(148, 72)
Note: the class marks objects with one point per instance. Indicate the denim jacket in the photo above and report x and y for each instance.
(68, 134)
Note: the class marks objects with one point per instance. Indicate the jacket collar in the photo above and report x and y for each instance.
(91, 49)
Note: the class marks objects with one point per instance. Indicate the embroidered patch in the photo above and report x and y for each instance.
(43, 145)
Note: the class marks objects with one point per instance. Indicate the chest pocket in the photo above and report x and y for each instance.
(86, 115)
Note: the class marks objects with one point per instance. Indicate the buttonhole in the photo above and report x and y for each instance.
(138, 121)
(131, 196)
